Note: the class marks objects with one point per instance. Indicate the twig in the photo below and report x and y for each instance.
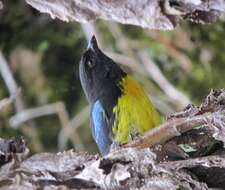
(215, 101)
(6, 101)
(66, 127)
(13, 90)
(168, 130)
(56, 108)
(10, 83)
(26, 115)
(160, 79)
(210, 113)
(72, 126)
(32, 113)
(182, 59)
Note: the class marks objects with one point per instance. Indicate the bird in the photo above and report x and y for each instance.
(120, 109)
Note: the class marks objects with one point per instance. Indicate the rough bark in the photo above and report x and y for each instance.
(167, 165)
(153, 14)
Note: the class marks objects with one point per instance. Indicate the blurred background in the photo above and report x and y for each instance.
(40, 92)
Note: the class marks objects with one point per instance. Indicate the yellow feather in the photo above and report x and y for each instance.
(134, 112)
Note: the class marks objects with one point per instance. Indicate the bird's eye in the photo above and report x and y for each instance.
(91, 63)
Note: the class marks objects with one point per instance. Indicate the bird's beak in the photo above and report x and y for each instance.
(92, 45)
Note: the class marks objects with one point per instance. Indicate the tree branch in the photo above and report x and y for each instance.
(132, 167)
(154, 14)
(211, 113)
(10, 83)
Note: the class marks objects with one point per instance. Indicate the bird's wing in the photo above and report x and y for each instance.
(100, 127)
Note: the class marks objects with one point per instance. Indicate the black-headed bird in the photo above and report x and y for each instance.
(120, 108)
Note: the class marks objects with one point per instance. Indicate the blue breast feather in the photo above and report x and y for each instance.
(100, 128)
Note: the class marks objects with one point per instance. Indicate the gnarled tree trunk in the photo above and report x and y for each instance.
(193, 159)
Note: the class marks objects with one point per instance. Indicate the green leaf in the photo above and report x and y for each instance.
(187, 148)
(199, 127)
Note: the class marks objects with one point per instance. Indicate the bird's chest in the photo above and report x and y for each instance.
(132, 117)
(133, 114)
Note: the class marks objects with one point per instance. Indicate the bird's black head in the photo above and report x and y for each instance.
(99, 74)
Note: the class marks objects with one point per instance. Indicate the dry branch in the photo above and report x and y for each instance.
(15, 93)
(27, 115)
(129, 168)
(10, 82)
(72, 126)
(172, 49)
(157, 167)
(156, 74)
(211, 113)
(57, 108)
(154, 14)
